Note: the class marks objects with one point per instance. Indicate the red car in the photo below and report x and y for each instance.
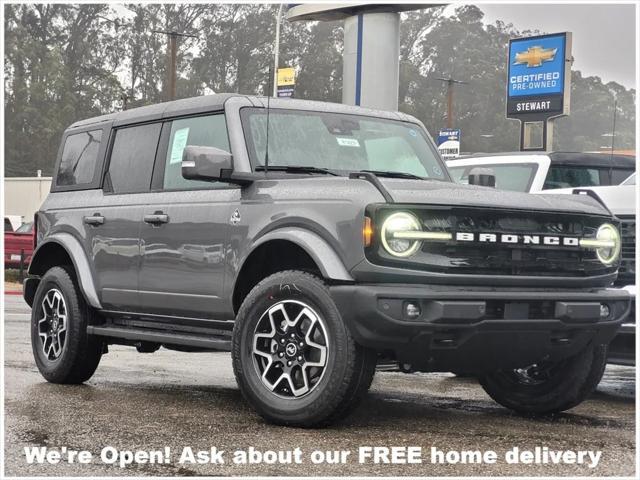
(17, 242)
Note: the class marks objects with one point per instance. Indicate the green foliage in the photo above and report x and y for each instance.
(66, 62)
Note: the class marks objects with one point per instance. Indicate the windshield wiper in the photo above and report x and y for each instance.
(391, 174)
(296, 169)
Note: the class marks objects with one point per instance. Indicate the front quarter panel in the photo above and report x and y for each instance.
(322, 215)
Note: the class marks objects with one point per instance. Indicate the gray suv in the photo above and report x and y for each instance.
(312, 240)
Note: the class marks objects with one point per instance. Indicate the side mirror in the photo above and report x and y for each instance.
(482, 176)
(206, 163)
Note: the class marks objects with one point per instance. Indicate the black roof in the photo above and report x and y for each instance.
(603, 160)
(593, 159)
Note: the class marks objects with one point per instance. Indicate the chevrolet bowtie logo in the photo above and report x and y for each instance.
(534, 56)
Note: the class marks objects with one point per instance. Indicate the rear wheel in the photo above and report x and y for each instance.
(294, 359)
(548, 387)
(62, 350)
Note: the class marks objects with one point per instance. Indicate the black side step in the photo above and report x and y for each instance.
(168, 338)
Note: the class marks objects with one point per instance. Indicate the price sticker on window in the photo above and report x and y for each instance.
(179, 143)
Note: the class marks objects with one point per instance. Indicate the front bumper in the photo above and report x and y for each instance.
(622, 349)
(478, 329)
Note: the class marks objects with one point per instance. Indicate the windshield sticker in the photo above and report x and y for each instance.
(413, 133)
(179, 142)
(437, 170)
(348, 142)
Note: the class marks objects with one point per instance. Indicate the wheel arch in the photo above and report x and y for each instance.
(309, 252)
(62, 249)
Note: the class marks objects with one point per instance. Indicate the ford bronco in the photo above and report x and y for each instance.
(311, 240)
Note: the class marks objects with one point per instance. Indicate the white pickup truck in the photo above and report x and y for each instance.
(532, 172)
(610, 177)
(621, 201)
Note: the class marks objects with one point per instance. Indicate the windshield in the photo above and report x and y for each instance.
(340, 142)
(25, 228)
(514, 177)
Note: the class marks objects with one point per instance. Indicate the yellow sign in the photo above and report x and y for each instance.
(533, 56)
(286, 76)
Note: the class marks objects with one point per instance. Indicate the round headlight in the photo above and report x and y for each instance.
(396, 223)
(609, 235)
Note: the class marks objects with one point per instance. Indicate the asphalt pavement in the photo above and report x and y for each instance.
(176, 400)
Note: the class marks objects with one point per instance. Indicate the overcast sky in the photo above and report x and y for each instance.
(604, 39)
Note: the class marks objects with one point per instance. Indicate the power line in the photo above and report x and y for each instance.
(172, 53)
(450, 83)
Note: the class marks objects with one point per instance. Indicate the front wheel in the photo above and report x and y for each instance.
(62, 350)
(548, 387)
(293, 357)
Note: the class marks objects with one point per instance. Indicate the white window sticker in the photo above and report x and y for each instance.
(179, 142)
(348, 142)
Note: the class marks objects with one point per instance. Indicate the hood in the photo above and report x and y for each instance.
(620, 199)
(446, 193)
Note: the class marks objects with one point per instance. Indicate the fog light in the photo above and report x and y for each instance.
(604, 310)
(412, 310)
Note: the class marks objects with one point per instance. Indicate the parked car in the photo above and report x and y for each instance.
(621, 200)
(18, 246)
(532, 172)
(342, 239)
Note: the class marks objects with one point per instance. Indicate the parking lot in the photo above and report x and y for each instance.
(151, 401)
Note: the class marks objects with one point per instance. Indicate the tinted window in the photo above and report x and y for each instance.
(630, 181)
(516, 178)
(7, 225)
(568, 177)
(132, 156)
(79, 157)
(619, 175)
(209, 131)
(25, 228)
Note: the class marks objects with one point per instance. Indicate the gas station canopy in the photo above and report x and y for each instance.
(339, 11)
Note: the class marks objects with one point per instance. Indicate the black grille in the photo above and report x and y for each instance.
(459, 257)
(627, 270)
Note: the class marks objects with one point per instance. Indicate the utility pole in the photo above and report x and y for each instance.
(450, 83)
(276, 49)
(172, 54)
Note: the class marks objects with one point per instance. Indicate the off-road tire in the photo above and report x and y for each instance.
(573, 380)
(349, 368)
(80, 353)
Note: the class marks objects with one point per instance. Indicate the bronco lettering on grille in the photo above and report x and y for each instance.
(512, 238)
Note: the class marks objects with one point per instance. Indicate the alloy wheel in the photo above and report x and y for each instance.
(290, 347)
(52, 327)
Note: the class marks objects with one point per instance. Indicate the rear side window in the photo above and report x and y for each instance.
(132, 157)
(208, 131)
(7, 225)
(568, 177)
(79, 157)
(619, 175)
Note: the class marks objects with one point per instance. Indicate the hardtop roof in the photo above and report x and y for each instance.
(193, 105)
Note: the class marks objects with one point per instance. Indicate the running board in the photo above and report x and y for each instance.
(164, 338)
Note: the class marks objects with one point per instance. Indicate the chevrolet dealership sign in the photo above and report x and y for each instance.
(539, 76)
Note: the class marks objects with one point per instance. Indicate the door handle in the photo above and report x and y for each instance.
(157, 218)
(95, 219)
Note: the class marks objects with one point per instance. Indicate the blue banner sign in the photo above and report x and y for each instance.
(449, 143)
(538, 74)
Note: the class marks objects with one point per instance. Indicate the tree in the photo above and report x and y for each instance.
(67, 62)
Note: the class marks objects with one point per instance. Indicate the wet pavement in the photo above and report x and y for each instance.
(176, 400)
